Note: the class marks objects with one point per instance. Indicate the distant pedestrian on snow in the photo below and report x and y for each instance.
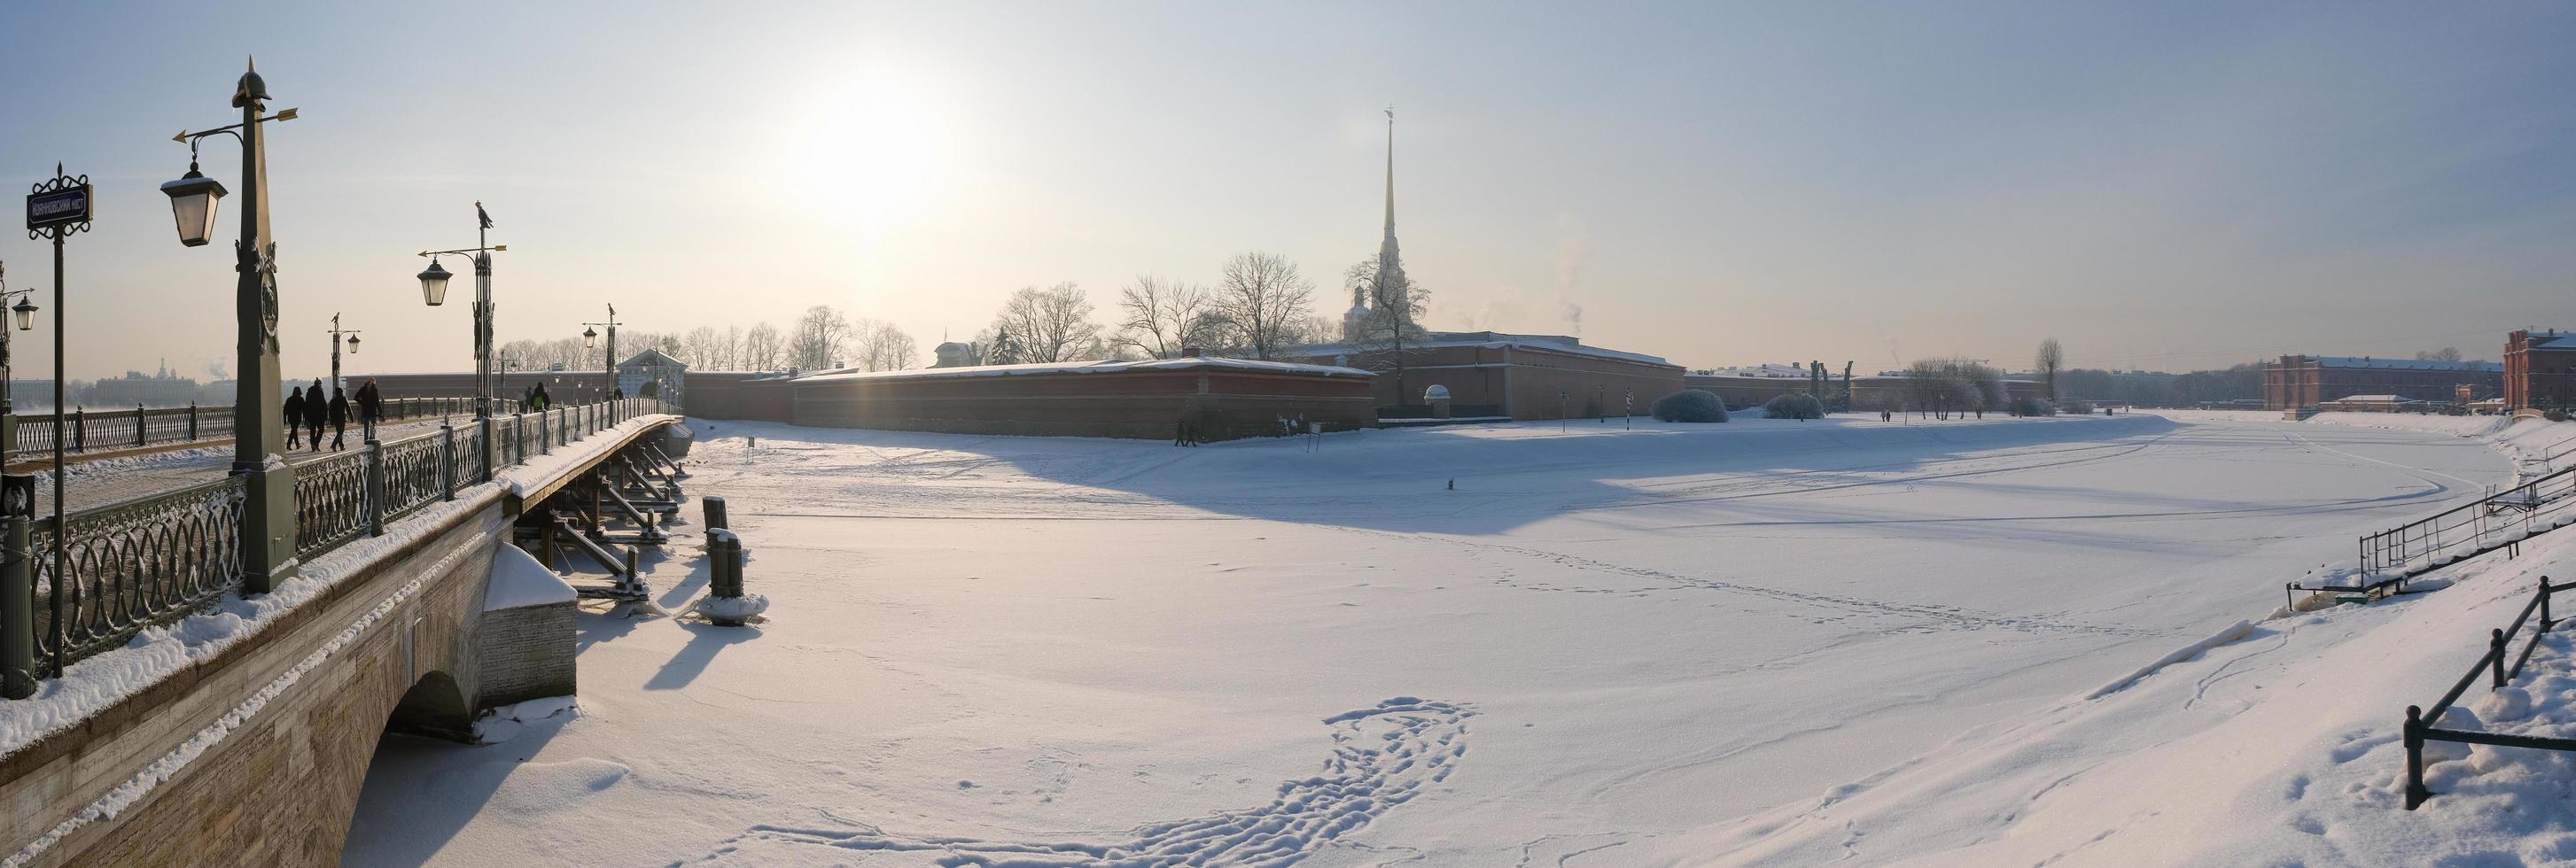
(371, 404)
(294, 418)
(338, 414)
(316, 411)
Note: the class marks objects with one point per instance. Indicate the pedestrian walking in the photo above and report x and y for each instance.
(370, 405)
(294, 417)
(538, 399)
(316, 411)
(339, 417)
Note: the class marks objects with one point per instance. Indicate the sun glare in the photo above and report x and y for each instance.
(872, 153)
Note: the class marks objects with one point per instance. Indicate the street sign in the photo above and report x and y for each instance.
(59, 207)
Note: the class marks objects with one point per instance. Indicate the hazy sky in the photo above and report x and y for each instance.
(2160, 185)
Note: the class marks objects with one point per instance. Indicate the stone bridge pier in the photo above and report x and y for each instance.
(256, 753)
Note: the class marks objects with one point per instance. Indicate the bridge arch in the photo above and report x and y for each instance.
(436, 707)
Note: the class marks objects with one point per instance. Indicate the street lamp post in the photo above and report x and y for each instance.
(433, 291)
(23, 316)
(336, 332)
(590, 339)
(268, 508)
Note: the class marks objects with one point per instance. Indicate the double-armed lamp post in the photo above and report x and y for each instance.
(268, 510)
(590, 339)
(433, 291)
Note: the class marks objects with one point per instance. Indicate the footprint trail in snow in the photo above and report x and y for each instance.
(1383, 756)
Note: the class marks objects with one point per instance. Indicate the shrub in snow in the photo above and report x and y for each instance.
(2556, 415)
(1798, 406)
(2033, 407)
(2076, 407)
(1688, 405)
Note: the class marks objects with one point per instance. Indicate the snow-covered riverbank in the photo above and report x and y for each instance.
(1602, 647)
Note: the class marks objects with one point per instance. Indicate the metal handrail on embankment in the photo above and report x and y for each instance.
(2497, 521)
(2418, 731)
(151, 561)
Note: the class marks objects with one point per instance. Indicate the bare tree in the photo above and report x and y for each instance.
(1396, 305)
(763, 348)
(1266, 300)
(2052, 358)
(1160, 317)
(880, 346)
(1046, 325)
(698, 347)
(2445, 354)
(729, 350)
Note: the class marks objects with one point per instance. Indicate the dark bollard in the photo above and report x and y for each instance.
(724, 564)
(714, 505)
(2414, 737)
(18, 588)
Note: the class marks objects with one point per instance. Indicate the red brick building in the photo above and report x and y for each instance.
(1515, 376)
(2540, 369)
(2299, 382)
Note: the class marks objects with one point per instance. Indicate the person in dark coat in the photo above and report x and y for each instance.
(294, 417)
(538, 399)
(339, 416)
(316, 411)
(371, 405)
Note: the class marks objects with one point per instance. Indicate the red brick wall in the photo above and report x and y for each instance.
(1135, 404)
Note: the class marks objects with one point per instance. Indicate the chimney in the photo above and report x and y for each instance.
(1190, 352)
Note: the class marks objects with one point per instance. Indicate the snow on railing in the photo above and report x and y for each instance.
(2497, 521)
(2419, 728)
(157, 559)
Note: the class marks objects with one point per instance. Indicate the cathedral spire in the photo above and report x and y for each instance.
(1390, 171)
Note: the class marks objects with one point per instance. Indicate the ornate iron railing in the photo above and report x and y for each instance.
(88, 430)
(151, 561)
(330, 502)
(134, 565)
(412, 473)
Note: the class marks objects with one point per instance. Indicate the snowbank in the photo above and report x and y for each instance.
(518, 579)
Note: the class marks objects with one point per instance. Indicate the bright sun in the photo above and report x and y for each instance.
(871, 154)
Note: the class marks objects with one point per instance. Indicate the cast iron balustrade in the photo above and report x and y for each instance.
(157, 559)
(134, 565)
(330, 502)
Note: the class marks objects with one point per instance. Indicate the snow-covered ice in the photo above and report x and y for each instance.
(1770, 642)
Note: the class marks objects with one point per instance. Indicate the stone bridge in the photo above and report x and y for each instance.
(177, 720)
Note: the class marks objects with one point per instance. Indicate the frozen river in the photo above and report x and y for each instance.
(1036, 651)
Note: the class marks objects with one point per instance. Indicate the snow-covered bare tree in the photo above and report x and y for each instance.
(1047, 325)
(1160, 317)
(1266, 300)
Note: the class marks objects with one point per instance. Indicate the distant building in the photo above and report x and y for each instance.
(2374, 404)
(955, 354)
(2299, 382)
(667, 375)
(159, 389)
(2540, 369)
